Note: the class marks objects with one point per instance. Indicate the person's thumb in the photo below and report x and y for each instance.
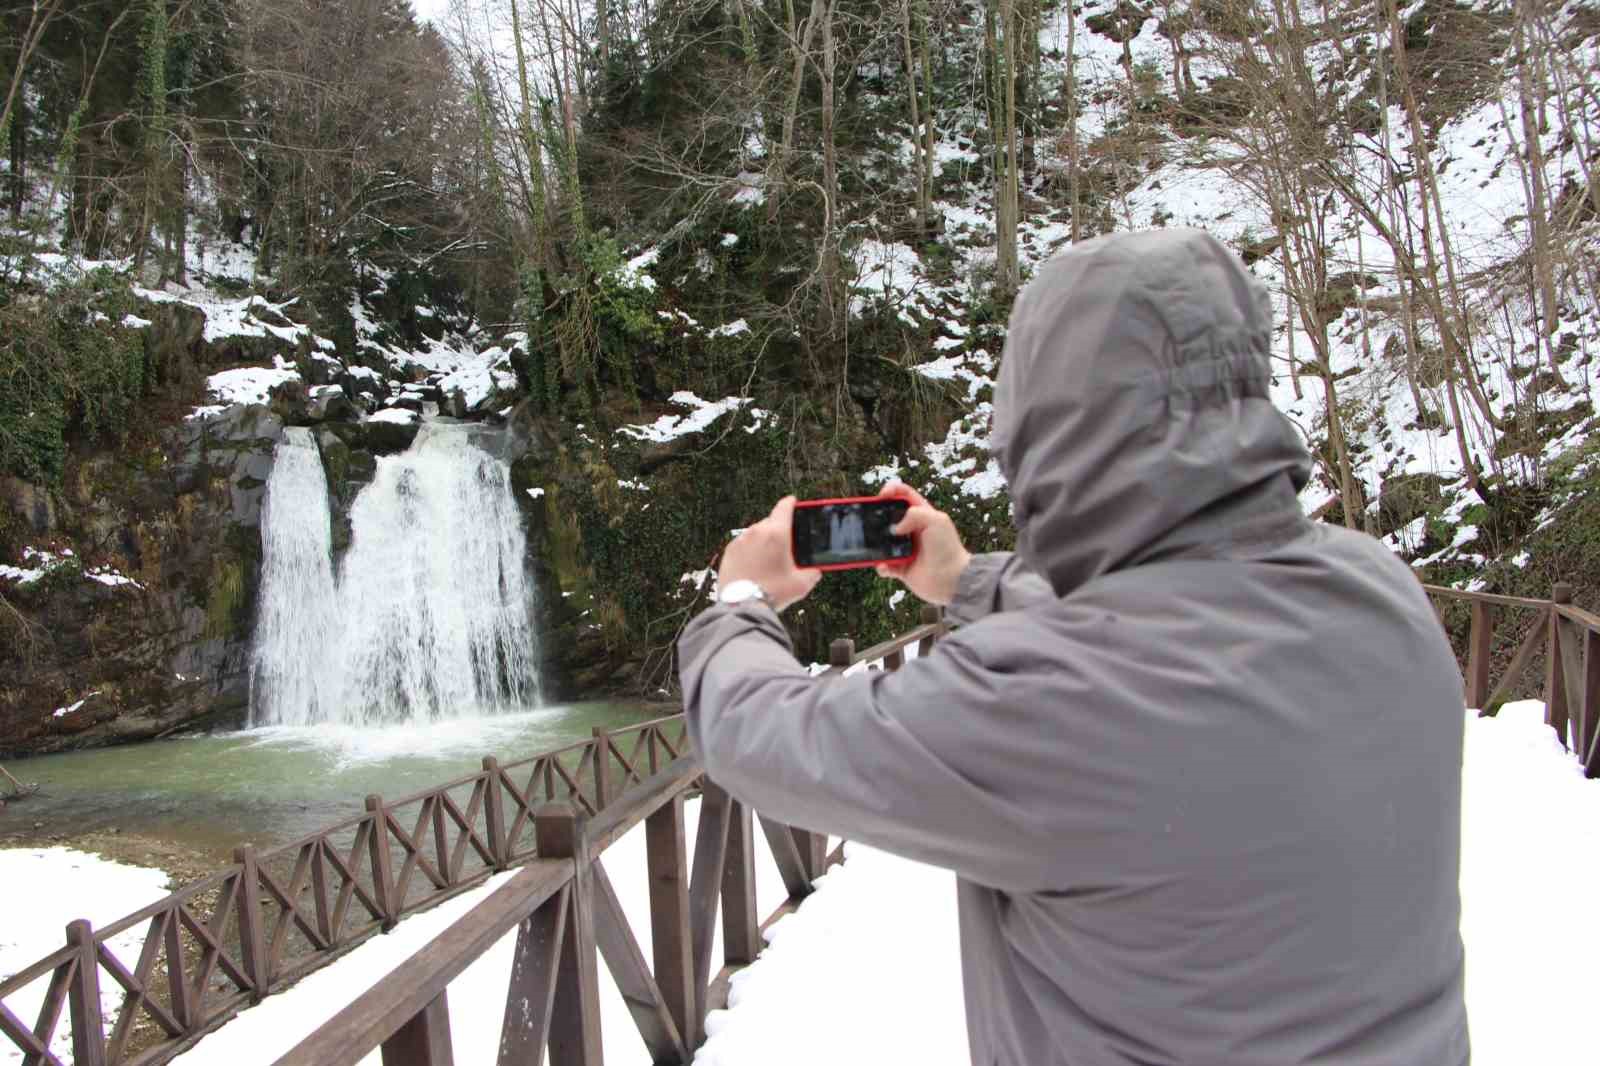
(783, 511)
(915, 521)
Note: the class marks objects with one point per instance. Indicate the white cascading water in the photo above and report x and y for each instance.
(295, 620)
(428, 618)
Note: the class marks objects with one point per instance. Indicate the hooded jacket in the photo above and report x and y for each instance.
(1195, 760)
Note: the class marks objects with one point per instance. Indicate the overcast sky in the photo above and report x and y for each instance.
(429, 9)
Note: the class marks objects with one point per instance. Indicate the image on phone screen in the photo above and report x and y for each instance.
(841, 534)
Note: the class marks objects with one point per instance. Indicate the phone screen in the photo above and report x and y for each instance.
(846, 533)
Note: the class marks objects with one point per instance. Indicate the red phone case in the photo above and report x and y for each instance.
(865, 563)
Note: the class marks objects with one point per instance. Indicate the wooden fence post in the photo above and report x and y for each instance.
(83, 999)
(705, 891)
(1589, 704)
(741, 927)
(931, 616)
(667, 866)
(424, 1040)
(383, 887)
(252, 937)
(1479, 642)
(602, 768)
(842, 652)
(1555, 681)
(494, 813)
(575, 1021)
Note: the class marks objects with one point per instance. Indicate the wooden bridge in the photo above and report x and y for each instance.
(220, 945)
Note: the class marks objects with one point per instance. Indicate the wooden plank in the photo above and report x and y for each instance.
(667, 866)
(1589, 704)
(1555, 680)
(632, 974)
(83, 998)
(1537, 634)
(810, 847)
(425, 1039)
(1479, 641)
(575, 1021)
(441, 841)
(705, 886)
(494, 812)
(34, 1048)
(741, 934)
(1485, 597)
(530, 998)
(1571, 636)
(375, 1016)
(177, 980)
(55, 1001)
(1587, 619)
(382, 868)
(602, 767)
(252, 933)
(319, 891)
(780, 841)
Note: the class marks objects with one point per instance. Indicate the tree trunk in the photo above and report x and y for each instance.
(916, 116)
(925, 202)
(830, 180)
(1072, 122)
(800, 38)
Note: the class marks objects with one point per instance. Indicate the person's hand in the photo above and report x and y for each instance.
(935, 572)
(763, 554)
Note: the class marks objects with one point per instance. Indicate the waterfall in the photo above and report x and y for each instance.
(295, 619)
(428, 616)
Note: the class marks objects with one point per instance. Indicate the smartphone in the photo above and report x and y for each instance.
(842, 534)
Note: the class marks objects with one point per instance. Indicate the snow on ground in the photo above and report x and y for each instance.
(250, 384)
(400, 416)
(479, 377)
(1530, 858)
(700, 415)
(39, 564)
(46, 888)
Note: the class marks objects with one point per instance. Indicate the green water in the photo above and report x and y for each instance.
(267, 786)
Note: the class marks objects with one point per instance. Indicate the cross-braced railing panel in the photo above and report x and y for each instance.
(1562, 637)
(34, 1003)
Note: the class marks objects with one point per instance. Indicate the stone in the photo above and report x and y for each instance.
(384, 434)
(322, 369)
(31, 502)
(329, 402)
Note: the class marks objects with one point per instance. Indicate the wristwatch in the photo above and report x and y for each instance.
(742, 591)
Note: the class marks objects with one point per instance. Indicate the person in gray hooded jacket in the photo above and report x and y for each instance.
(1195, 760)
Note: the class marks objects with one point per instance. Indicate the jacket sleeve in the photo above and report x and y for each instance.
(996, 581)
(884, 758)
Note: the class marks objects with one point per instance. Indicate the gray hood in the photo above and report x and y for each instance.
(1132, 416)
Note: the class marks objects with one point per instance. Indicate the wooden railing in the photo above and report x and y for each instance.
(217, 946)
(1565, 637)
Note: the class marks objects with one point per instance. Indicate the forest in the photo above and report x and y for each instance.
(823, 208)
